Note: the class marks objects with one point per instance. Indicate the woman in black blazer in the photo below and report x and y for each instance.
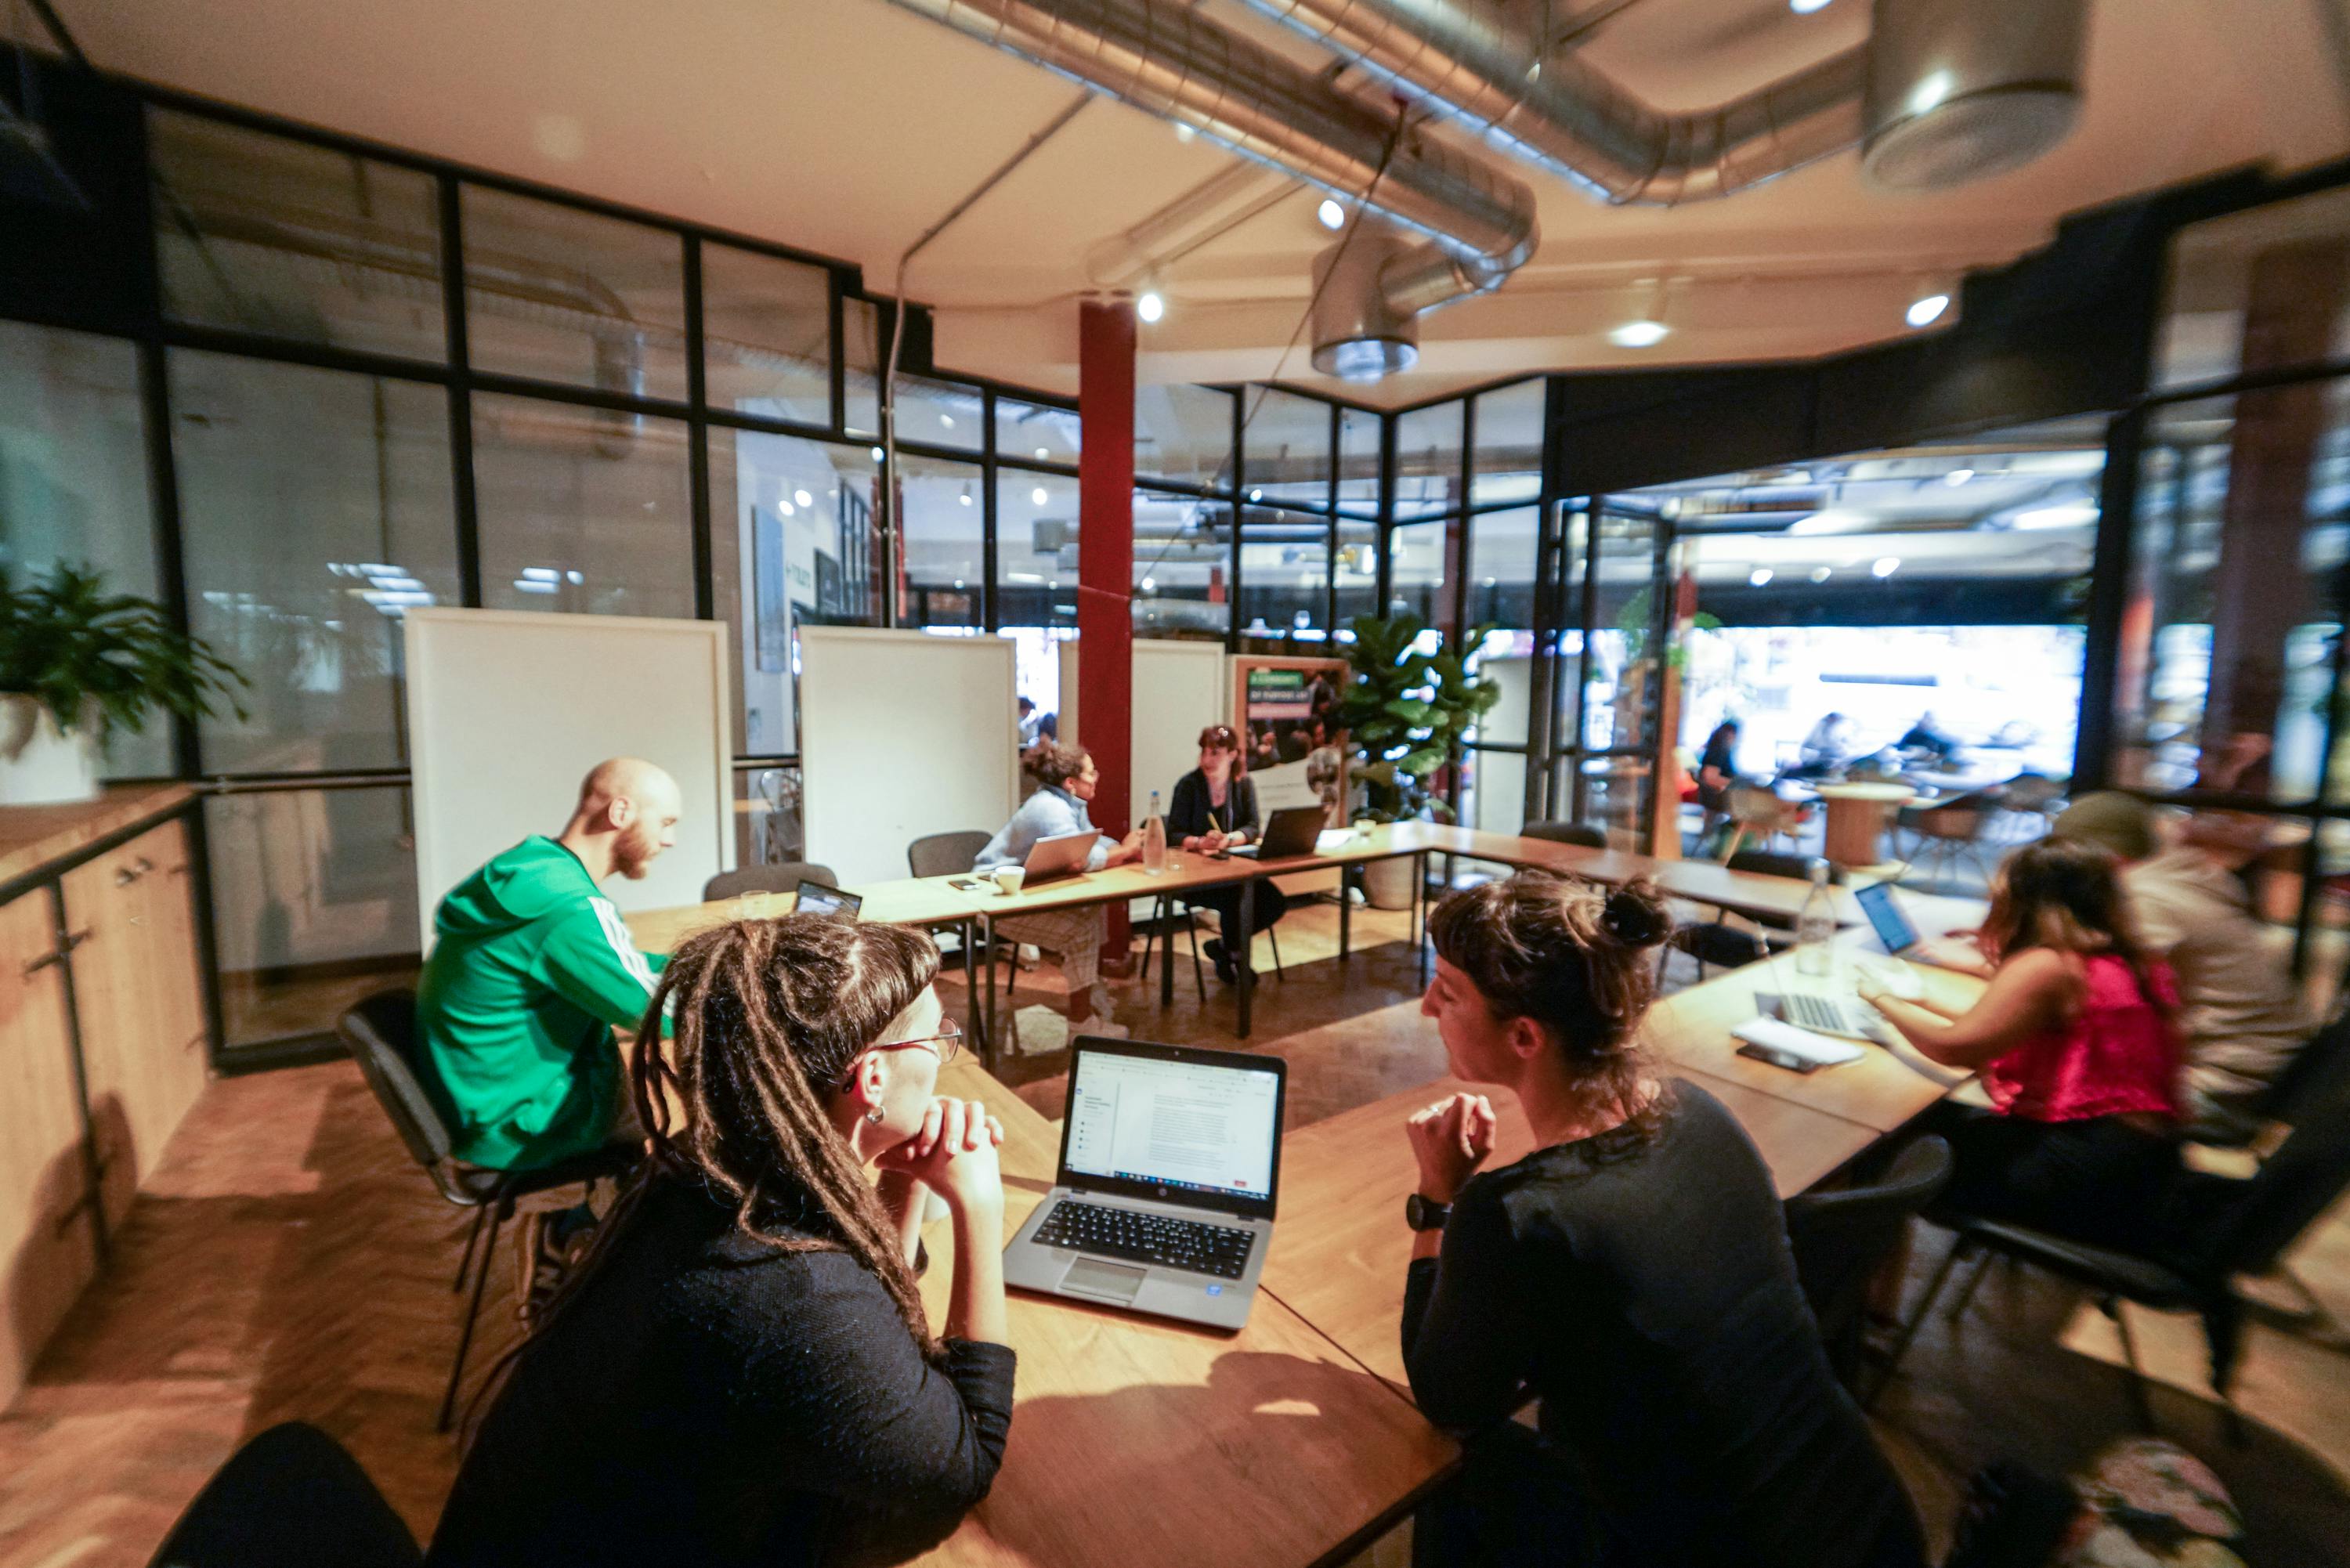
(1215, 808)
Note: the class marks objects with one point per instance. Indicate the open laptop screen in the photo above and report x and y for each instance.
(816, 899)
(1185, 1126)
(1892, 927)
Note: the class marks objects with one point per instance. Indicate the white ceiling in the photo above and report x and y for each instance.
(846, 126)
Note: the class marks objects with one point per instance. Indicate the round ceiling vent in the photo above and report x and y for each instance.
(1970, 138)
(1958, 92)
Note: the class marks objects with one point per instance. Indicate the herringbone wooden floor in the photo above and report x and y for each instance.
(289, 1262)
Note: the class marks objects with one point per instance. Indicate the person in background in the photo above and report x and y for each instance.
(1031, 725)
(1213, 809)
(2241, 1013)
(740, 1371)
(532, 969)
(2075, 1040)
(1325, 772)
(1827, 748)
(1926, 736)
(1633, 1273)
(1717, 769)
(1066, 780)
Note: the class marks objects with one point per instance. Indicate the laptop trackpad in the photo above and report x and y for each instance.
(1109, 1281)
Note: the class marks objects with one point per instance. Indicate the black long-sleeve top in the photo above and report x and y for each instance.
(1191, 815)
(711, 1400)
(1646, 1291)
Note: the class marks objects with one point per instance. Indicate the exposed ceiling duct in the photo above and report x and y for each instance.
(1942, 93)
(1162, 57)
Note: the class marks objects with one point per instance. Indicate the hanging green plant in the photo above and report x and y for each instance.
(105, 660)
(1406, 710)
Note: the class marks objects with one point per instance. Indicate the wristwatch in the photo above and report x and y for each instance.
(1423, 1213)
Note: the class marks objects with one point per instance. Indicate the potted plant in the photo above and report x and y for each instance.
(76, 661)
(1405, 711)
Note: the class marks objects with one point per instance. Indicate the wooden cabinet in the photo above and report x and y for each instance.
(49, 1238)
(141, 1002)
(103, 1039)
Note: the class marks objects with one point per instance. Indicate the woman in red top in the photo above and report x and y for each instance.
(2074, 1042)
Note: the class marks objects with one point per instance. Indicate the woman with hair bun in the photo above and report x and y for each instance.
(1632, 1273)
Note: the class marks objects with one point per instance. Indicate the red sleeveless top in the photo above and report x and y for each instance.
(2118, 1054)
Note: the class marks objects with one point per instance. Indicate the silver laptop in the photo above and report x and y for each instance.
(1163, 1203)
(1061, 855)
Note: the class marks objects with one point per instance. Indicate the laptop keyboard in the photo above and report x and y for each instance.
(1143, 1237)
(1826, 1014)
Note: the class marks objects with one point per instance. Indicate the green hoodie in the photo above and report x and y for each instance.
(531, 969)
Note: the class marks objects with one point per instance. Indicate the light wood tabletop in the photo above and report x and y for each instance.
(1139, 1442)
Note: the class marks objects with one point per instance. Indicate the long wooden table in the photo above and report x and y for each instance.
(1142, 1443)
(1340, 1249)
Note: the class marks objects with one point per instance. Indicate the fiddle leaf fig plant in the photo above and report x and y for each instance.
(108, 660)
(1406, 710)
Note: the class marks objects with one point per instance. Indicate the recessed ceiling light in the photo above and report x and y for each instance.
(1886, 566)
(878, 454)
(1832, 521)
(1958, 476)
(1256, 495)
(1043, 452)
(1927, 309)
(946, 421)
(1757, 577)
(1149, 586)
(965, 496)
(1330, 214)
(1038, 495)
(1642, 334)
(1184, 132)
(1819, 573)
(1805, 7)
(1150, 306)
(803, 497)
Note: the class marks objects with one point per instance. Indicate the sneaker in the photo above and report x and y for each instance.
(1104, 1028)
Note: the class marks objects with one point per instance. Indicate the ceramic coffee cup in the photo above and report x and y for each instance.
(1009, 877)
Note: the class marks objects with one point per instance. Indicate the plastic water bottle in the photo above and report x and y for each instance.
(1154, 838)
(1815, 926)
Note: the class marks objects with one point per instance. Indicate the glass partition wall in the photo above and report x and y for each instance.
(377, 381)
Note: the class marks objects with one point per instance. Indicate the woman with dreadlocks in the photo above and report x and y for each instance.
(740, 1369)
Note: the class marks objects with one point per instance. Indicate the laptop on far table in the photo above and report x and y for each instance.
(817, 899)
(1164, 1201)
(1288, 832)
(1897, 934)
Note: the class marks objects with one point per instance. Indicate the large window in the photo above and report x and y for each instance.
(766, 335)
(560, 294)
(1036, 550)
(260, 234)
(1182, 561)
(582, 509)
(73, 480)
(1183, 434)
(315, 511)
(1285, 447)
(945, 566)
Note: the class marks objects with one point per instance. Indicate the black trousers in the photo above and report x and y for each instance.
(2102, 1180)
(1265, 909)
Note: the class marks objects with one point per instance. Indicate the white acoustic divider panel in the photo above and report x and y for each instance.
(507, 711)
(1179, 688)
(903, 734)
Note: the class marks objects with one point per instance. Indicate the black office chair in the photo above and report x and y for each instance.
(1725, 946)
(1566, 832)
(1840, 1239)
(781, 877)
(2228, 1227)
(291, 1497)
(379, 1031)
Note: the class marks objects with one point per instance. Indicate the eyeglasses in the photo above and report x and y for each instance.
(946, 1045)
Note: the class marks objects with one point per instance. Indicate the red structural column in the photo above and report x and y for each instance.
(1106, 563)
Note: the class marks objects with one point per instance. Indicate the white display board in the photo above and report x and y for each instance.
(903, 734)
(507, 711)
(1179, 688)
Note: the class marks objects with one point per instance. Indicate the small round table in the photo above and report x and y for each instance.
(1858, 815)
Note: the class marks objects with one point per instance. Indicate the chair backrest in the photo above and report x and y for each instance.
(1566, 832)
(2311, 1073)
(2295, 1185)
(945, 854)
(1840, 1238)
(292, 1496)
(1755, 803)
(1773, 863)
(2031, 791)
(782, 877)
(379, 1031)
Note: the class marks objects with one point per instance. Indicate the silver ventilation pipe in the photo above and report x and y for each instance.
(1162, 57)
(2003, 70)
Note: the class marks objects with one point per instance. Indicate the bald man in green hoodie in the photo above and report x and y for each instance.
(532, 970)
